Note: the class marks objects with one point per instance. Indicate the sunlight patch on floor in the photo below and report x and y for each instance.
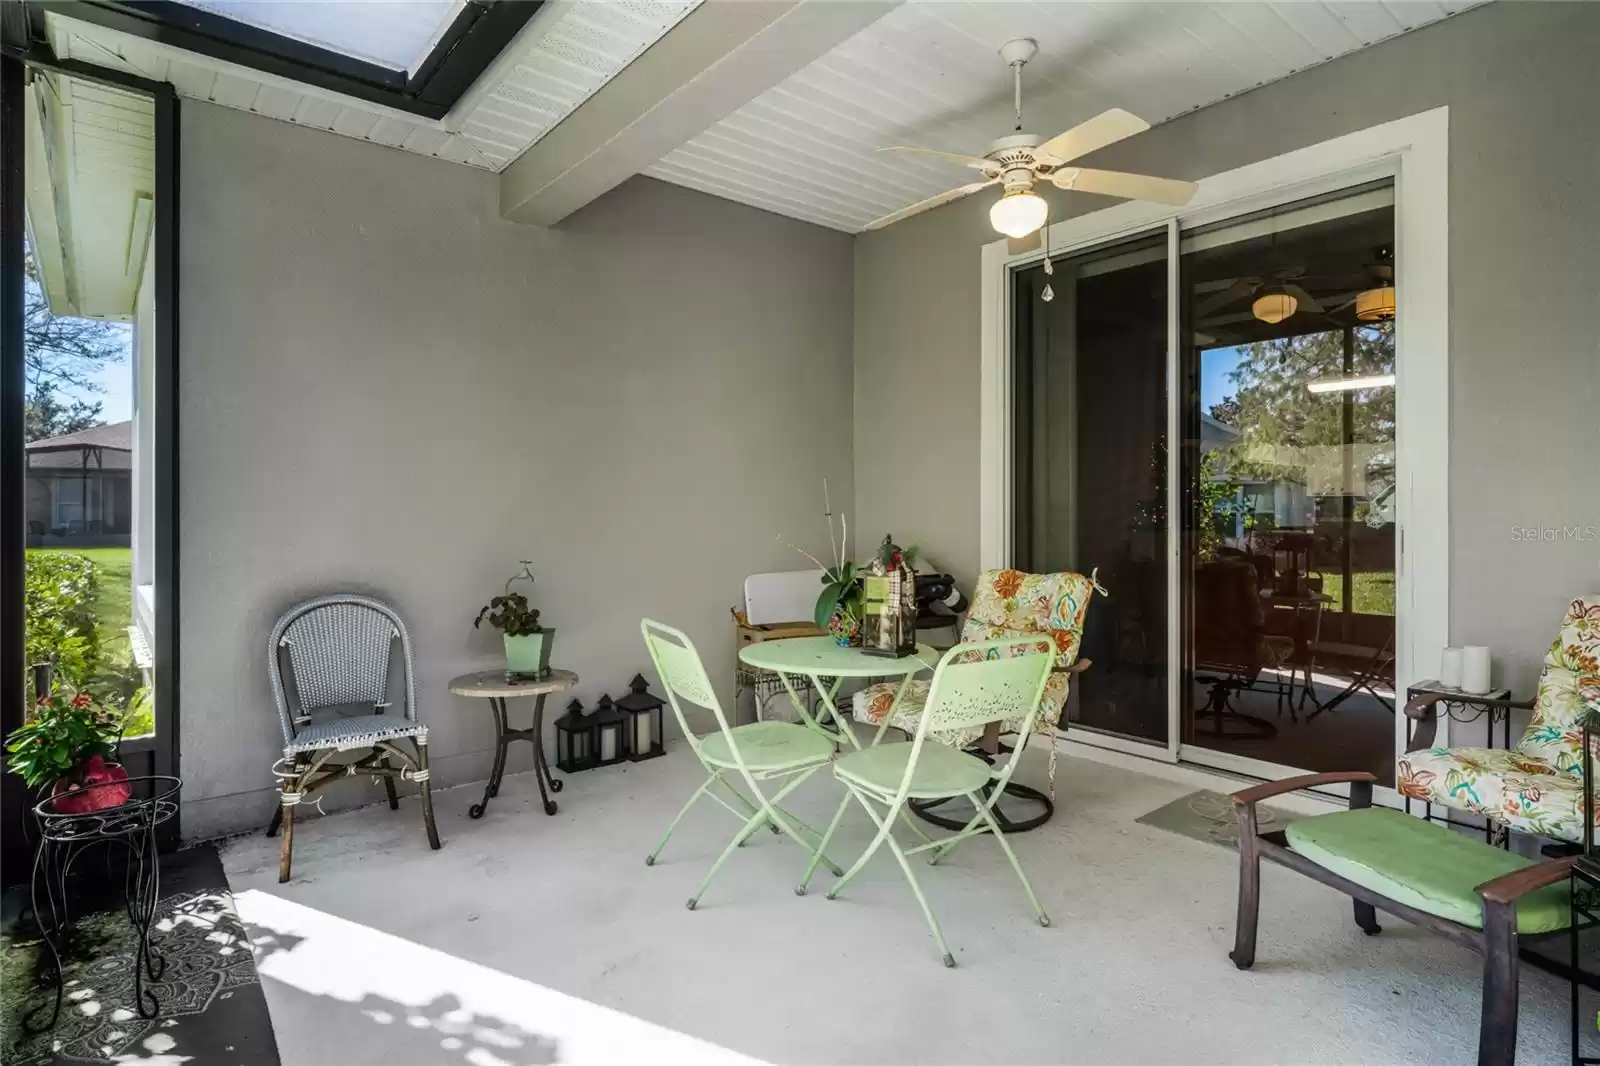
(494, 1019)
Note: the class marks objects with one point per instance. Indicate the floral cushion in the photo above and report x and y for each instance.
(1470, 779)
(1010, 603)
(1570, 683)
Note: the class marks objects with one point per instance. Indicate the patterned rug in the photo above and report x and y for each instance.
(212, 1010)
(1209, 817)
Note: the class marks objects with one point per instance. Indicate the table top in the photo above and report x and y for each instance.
(1432, 687)
(824, 657)
(491, 684)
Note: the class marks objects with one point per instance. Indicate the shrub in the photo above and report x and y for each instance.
(60, 592)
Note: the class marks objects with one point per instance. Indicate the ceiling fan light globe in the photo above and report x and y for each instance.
(1274, 307)
(1017, 214)
(1375, 305)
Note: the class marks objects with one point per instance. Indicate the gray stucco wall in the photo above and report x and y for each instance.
(387, 388)
(1523, 89)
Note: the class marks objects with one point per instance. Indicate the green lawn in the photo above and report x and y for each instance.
(1371, 593)
(113, 613)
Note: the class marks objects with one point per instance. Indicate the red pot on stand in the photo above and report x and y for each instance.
(98, 786)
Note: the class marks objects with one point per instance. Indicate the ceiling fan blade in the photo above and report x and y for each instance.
(1304, 300)
(1168, 191)
(1108, 127)
(1023, 245)
(1238, 290)
(932, 201)
(985, 165)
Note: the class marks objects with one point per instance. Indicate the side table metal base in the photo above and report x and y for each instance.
(504, 735)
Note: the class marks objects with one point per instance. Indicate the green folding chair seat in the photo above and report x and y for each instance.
(767, 746)
(939, 773)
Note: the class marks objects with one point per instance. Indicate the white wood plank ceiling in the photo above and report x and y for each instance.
(928, 74)
(567, 51)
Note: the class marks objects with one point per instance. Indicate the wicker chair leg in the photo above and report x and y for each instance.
(277, 820)
(422, 777)
(287, 851)
(388, 784)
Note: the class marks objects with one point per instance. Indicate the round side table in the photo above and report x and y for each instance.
(492, 685)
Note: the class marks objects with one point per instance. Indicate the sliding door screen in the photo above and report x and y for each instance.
(1090, 459)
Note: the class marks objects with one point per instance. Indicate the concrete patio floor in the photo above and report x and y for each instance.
(534, 939)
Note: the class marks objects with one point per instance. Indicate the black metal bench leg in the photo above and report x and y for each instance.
(1367, 918)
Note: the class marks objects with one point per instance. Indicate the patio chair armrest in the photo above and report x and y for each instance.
(1508, 888)
(1249, 797)
(1422, 708)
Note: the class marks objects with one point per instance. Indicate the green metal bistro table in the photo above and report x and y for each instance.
(815, 658)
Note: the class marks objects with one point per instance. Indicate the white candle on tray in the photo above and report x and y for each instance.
(1450, 667)
(1475, 669)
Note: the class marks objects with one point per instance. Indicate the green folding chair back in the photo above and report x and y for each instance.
(751, 754)
(974, 684)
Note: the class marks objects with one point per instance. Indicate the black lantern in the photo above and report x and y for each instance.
(643, 728)
(577, 740)
(611, 735)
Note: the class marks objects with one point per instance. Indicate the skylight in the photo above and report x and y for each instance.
(397, 34)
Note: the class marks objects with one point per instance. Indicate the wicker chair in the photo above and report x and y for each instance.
(330, 660)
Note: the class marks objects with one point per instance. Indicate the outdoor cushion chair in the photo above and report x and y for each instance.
(1537, 786)
(330, 659)
(1005, 603)
(752, 753)
(976, 682)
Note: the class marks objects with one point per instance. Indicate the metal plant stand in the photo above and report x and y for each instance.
(493, 686)
(64, 837)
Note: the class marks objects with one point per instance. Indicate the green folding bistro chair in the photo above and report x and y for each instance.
(976, 683)
(760, 751)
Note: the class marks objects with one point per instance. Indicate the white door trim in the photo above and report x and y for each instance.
(1415, 152)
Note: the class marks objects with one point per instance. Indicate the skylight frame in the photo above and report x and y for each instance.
(472, 40)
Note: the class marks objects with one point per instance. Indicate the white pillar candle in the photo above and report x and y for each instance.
(1450, 667)
(641, 734)
(1475, 669)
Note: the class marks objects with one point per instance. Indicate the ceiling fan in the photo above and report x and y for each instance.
(1279, 296)
(1020, 159)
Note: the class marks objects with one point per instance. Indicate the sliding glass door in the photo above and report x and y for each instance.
(1270, 346)
(1288, 466)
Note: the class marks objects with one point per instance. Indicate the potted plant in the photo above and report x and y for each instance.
(840, 604)
(69, 746)
(527, 642)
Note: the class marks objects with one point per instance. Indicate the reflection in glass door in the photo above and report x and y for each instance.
(1288, 476)
(1090, 460)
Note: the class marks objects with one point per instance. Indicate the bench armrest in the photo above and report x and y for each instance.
(1249, 797)
(1508, 888)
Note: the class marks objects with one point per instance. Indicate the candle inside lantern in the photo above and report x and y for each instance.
(1475, 669)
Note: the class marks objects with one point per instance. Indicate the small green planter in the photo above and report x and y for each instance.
(529, 655)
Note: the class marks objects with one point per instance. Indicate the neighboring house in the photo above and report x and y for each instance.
(79, 488)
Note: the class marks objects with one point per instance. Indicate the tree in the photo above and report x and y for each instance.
(45, 414)
(60, 358)
(1276, 414)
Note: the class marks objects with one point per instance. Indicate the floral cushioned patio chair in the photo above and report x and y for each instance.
(1537, 786)
(1005, 603)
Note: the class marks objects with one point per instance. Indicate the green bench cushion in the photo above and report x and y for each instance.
(1421, 864)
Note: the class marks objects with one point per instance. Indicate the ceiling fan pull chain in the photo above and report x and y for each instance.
(1049, 269)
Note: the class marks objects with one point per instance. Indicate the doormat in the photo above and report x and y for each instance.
(211, 1006)
(1210, 817)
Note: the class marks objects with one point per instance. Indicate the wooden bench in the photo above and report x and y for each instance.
(1463, 889)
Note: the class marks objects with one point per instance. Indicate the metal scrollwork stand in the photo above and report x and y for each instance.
(64, 837)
